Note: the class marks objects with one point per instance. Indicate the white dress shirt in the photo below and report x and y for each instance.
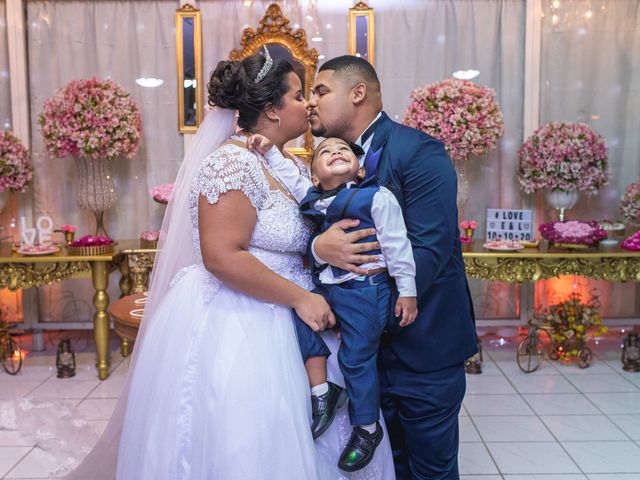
(397, 255)
(365, 148)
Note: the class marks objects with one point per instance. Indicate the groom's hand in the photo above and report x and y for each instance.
(339, 248)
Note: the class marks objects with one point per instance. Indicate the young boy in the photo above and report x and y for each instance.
(361, 303)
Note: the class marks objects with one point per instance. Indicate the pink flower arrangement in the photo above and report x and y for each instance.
(91, 241)
(162, 193)
(461, 114)
(468, 224)
(68, 228)
(563, 156)
(573, 232)
(16, 170)
(632, 243)
(630, 203)
(150, 235)
(92, 118)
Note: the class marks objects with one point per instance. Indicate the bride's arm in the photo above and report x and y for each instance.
(225, 229)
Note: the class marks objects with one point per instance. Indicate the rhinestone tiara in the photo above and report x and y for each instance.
(266, 67)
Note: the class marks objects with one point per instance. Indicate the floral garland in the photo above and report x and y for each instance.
(573, 232)
(16, 171)
(563, 156)
(93, 118)
(630, 203)
(461, 114)
(572, 323)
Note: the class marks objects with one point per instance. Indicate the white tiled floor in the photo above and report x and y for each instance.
(558, 423)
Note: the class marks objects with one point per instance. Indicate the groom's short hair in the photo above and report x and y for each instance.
(353, 66)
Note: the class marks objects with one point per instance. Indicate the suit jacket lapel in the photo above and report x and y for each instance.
(380, 138)
(381, 135)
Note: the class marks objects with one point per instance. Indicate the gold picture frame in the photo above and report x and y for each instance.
(362, 32)
(283, 42)
(189, 62)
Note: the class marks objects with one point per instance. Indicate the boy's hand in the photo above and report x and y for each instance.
(407, 307)
(259, 143)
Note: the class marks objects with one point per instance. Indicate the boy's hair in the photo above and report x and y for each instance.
(314, 154)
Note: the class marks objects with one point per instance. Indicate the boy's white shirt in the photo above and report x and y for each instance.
(397, 255)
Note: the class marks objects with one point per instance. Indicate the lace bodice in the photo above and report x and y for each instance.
(280, 235)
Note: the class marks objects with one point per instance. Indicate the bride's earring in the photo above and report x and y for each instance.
(278, 118)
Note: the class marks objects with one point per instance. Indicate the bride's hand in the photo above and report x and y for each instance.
(314, 310)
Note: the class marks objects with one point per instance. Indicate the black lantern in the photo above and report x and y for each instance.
(65, 359)
(631, 353)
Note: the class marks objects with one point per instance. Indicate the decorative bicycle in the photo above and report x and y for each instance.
(531, 350)
(10, 352)
(567, 325)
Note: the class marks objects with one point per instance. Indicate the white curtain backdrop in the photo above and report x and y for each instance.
(123, 41)
(420, 42)
(417, 42)
(590, 73)
(5, 92)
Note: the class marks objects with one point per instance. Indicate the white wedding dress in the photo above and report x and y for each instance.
(219, 391)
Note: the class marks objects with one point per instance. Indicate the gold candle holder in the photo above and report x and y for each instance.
(69, 236)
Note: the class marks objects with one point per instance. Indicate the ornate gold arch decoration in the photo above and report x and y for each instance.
(274, 29)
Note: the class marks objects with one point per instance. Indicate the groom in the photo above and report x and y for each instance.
(421, 367)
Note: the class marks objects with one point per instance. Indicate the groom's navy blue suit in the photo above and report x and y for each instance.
(421, 366)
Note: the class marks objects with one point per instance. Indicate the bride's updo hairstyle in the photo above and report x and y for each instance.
(233, 85)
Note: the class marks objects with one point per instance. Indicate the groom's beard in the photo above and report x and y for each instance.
(317, 129)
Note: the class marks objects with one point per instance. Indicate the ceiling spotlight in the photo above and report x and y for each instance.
(466, 74)
(149, 82)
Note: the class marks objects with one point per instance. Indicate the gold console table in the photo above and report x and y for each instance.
(532, 264)
(135, 263)
(20, 271)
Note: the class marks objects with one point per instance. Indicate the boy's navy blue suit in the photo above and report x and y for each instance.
(421, 366)
(362, 309)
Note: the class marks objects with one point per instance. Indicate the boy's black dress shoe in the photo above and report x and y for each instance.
(324, 408)
(360, 448)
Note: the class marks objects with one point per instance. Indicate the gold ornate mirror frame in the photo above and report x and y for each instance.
(189, 60)
(361, 32)
(274, 29)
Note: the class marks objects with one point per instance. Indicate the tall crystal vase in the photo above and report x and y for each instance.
(463, 185)
(95, 189)
(561, 201)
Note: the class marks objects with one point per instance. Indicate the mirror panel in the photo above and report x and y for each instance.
(189, 62)
(361, 32)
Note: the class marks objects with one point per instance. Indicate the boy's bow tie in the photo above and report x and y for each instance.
(357, 149)
(331, 193)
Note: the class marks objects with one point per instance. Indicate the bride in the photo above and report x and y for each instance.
(218, 389)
